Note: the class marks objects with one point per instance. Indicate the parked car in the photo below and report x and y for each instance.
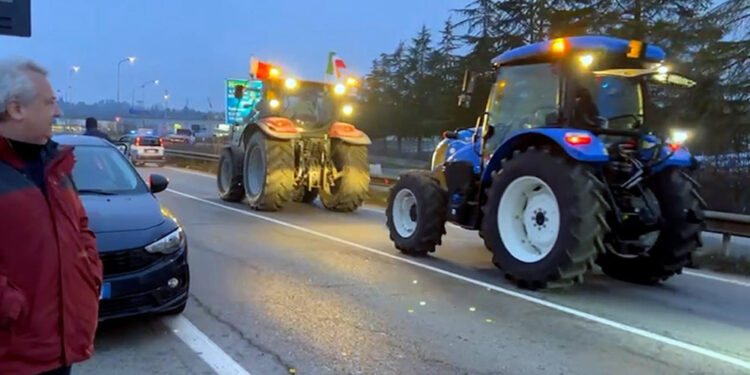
(145, 149)
(183, 136)
(142, 245)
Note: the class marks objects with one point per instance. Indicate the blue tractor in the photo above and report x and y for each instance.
(560, 173)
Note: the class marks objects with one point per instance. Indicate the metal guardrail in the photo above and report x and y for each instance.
(728, 225)
(725, 223)
(191, 154)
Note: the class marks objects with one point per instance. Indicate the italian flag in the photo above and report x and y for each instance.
(334, 64)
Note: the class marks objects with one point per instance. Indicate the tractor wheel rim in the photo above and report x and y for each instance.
(528, 218)
(226, 174)
(405, 213)
(256, 172)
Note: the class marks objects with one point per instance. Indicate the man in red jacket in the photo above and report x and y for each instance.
(50, 272)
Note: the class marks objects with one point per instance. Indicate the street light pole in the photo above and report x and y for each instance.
(166, 102)
(73, 69)
(131, 59)
(143, 89)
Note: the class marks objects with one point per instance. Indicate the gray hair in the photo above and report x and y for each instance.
(15, 83)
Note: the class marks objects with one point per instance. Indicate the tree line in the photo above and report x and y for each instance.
(412, 90)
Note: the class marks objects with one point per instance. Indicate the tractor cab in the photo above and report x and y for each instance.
(311, 106)
(599, 84)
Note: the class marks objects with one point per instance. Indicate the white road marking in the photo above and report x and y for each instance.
(577, 313)
(206, 349)
(382, 211)
(710, 276)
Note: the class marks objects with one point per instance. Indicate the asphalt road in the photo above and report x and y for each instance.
(308, 291)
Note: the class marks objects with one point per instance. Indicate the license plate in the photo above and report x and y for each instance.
(106, 291)
(151, 151)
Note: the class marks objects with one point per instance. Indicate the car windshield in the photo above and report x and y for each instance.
(522, 98)
(104, 171)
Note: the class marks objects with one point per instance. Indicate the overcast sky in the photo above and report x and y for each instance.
(191, 46)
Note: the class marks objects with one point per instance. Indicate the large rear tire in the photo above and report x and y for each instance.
(228, 180)
(269, 172)
(682, 212)
(544, 219)
(416, 213)
(350, 190)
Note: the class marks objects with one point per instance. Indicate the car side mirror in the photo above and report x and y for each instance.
(123, 147)
(157, 183)
(239, 91)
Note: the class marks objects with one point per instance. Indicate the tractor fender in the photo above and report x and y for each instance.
(593, 152)
(278, 127)
(348, 133)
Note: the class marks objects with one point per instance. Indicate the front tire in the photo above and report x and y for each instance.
(544, 219)
(229, 182)
(682, 214)
(416, 213)
(350, 190)
(269, 172)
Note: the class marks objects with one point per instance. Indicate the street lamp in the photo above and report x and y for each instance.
(73, 69)
(143, 91)
(130, 59)
(166, 102)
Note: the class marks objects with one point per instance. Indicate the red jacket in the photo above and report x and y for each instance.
(50, 272)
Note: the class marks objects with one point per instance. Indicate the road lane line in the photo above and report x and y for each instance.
(716, 278)
(571, 311)
(206, 349)
(382, 211)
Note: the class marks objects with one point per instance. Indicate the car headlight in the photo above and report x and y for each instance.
(169, 243)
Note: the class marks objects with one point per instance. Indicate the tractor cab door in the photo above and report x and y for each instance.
(524, 97)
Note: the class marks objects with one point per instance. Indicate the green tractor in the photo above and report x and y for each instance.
(293, 144)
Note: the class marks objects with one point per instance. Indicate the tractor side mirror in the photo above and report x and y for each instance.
(239, 91)
(467, 88)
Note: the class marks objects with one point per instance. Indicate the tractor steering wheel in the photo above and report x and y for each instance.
(637, 119)
(541, 113)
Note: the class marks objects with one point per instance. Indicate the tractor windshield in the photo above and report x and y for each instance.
(618, 99)
(522, 98)
(310, 105)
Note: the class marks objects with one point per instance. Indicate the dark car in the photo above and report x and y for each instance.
(141, 244)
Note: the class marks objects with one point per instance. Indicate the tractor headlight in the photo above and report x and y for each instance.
(169, 243)
(290, 83)
(339, 89)
(347, 110)
(678, 136)
(273, 103)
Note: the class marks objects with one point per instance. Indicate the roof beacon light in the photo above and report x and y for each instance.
(274, 72)
(559, 45)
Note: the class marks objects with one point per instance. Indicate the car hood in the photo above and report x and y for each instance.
(127, 221)
(117, 213)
